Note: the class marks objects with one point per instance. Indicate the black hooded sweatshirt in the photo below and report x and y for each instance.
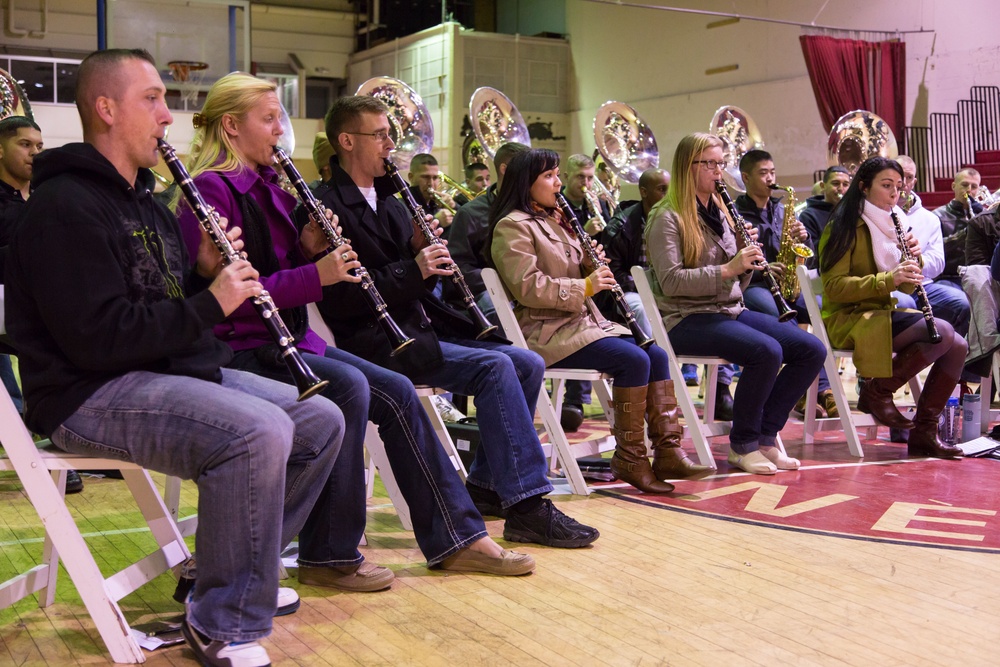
(96, 280)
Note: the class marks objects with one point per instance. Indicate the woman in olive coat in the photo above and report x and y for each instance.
(861, 264)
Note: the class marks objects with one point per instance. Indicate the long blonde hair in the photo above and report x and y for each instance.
(234, 94)
(681, 197)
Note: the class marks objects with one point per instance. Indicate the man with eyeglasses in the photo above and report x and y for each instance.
(767, 214)
(508, 476)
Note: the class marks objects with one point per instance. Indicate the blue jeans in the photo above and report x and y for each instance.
(10, 382)
(949, 302)
(761, 344)
(504, 382)
(444, 518)
(259, 458)
(760, 299)
(622, 359)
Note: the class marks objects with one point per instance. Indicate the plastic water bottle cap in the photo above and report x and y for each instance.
(971, 398)
(953, 400)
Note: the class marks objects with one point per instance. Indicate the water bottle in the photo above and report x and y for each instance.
(971, 417)
(949, 427)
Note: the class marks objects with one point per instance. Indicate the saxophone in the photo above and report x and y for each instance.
(791, 253)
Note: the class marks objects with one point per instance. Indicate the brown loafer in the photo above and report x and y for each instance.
(508, 564)
(364, 578)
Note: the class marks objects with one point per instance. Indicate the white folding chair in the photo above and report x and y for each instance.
(989, 414)
(698, 429)
(42, 472)
(563, 453)
(376, 448)
(812, 286)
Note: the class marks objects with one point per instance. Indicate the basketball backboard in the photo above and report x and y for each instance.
(213, 32)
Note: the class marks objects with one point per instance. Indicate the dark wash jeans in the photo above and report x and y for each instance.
(444, 518)
(622, 359)
(760, 344)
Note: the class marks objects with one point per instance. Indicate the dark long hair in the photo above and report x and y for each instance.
(515, 189)
(844, 217)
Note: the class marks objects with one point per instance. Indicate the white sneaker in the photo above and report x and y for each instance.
(288, 601)
(754, 463)
(225, 654)
(778, 458)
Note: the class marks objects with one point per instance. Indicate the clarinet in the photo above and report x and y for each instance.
(417, 213)
(642, 339)
(785, 311)
(904, 248)
(317, 213)
(306, 381)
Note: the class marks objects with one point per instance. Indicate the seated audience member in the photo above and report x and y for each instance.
(542, 263)
(701, 266)
(231, 164)
(767, 213)
(508, 474)
(861, 264)
(114, 335)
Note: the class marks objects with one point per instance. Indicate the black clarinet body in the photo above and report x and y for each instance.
(642, 339)
(905, 254)
(785, 312)
(305, 380)
(317, 213)
(482, 324)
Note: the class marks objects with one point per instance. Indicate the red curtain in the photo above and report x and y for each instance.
(849, 74)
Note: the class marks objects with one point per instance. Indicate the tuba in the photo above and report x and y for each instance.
(625, 142)
(13, 101)
(739, 134)
(857, 136)
(411, 127)
(496, 121)
(791, 253)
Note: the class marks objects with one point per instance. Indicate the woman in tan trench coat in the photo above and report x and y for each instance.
(543, 265)
(861, 265)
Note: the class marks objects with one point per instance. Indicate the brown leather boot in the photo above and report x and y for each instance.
(923, 440)
(876, 393)
(630, 463)
(669, 459)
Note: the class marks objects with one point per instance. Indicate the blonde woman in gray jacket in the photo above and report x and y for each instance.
(701, 268)
(543, 265)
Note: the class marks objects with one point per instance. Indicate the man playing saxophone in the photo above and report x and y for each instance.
(768, 214)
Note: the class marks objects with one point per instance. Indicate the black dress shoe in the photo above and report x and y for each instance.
(571, 417)
(74, 484)
(486, 501)
(723, 403)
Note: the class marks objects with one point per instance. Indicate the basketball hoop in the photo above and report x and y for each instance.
(189, 75)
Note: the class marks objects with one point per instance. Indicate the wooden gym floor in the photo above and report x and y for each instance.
(842, 563)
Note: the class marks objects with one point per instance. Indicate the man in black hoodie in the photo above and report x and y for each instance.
(118, 356)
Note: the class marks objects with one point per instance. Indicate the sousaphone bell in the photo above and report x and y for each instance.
(496, 121)
(739, 134)
(857, 136)
(13, 101)
(625, 141)
(411, 127)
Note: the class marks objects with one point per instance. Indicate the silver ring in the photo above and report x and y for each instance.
(343, 256)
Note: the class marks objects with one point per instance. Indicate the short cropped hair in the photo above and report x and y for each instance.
(345, 112)
(97, 77)
(471, 169)
(507, 152)
(752, 158)
(830, 171)
(578, 162)
(10, 125)
(421, 160)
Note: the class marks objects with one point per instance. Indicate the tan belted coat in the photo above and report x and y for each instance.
(540, 263)
(858, 304)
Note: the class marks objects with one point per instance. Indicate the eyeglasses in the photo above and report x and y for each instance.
(380, 135)
(711, 165)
